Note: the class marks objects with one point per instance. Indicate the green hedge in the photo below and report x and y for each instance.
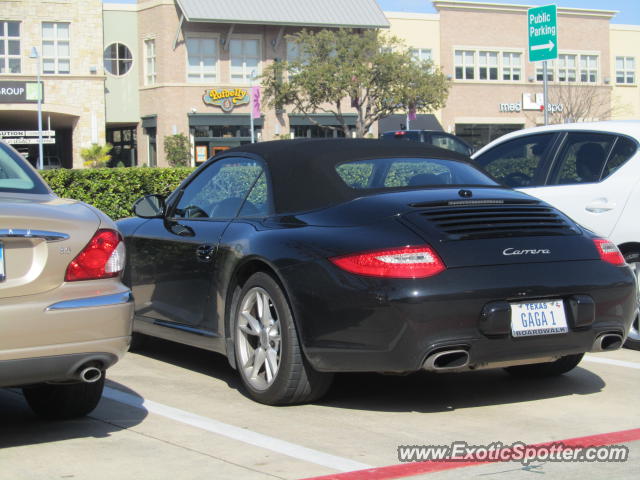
(113, 190)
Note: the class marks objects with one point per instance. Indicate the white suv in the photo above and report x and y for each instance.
(591, 171)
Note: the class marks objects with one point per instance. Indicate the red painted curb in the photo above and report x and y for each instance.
(416, 468)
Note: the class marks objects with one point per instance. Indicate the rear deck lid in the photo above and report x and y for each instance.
(493, 231)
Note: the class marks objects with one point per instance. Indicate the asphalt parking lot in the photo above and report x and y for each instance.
(172, 411)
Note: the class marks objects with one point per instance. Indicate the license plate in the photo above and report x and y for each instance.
(538, 318)
(1, 262)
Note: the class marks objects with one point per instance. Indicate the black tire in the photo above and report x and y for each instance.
(632, 257)
(549, 369)
(57, 401)
(295, 380)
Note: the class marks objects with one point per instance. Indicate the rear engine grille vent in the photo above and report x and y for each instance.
(467, 222)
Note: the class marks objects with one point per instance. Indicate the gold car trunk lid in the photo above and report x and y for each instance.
(39, 236)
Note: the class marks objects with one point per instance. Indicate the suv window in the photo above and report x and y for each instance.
(449, 142)
(219, 191)
(582, 158)
(516, 162)
(622, 151)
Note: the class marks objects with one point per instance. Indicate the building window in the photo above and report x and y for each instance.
(566, 68)
(9, 47)
(464, 64)
(488, 65)
(550, 69)
(421, 54)
(117, 59)
(588, 68)
(202, 59)
(245, 59)
(511, 66)
(149, 62)
(626, 70)
(56, 55)
(152, 144)
(315, 131)
(123, 140)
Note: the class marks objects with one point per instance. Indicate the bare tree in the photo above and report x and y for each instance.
(578, 102)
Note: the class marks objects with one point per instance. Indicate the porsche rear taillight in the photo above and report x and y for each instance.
(402, 262)
(103, 257)
(608, 251)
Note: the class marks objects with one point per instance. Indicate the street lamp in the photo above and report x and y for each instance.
(34, 54)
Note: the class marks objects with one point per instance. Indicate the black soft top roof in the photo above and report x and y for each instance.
(303, 172)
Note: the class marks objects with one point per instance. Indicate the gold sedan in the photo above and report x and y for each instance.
(65, 316)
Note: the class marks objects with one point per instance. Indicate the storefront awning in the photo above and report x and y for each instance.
(323, 119)
(301, 13)
(200, 119)
(149, 121)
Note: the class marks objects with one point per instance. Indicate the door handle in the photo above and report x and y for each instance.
(600, 205)
(205, 253)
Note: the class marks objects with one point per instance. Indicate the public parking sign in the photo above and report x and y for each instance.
(543, 33)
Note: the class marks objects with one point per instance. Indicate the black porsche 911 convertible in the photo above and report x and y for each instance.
(297, 259)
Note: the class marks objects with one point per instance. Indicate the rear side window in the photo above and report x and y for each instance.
(516, 162)
(356, 174)
(383, 173)
(623, 150)
(16, 176)
(582, 158)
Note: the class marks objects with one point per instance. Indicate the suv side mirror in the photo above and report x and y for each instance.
(150, 206)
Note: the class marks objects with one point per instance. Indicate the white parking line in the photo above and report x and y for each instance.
(236, 433)
(611, 361)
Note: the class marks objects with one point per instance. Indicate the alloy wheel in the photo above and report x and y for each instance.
(258, 338)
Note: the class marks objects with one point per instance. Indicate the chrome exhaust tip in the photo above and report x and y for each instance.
(447, 360)
(90, 374)
(607, 342)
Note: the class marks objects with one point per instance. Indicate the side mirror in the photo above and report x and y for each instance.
(150, 206)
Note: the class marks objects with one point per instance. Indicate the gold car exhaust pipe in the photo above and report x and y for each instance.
(90, 374)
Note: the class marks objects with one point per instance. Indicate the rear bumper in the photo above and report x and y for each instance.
(61, 368)
(394, 325)
(46, 337)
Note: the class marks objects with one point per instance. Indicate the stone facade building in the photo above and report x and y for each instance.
(67, 35)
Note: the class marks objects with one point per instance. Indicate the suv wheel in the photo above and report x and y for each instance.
(57, 401)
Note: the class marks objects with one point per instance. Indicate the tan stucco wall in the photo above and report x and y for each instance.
(625, 42)
(500, 28)
(122, 101)
(80, 93)
(418, 30)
